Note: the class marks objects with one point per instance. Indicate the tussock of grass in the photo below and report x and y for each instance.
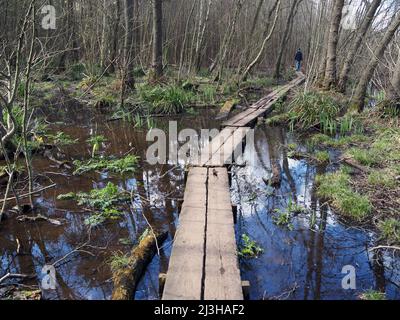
(384, 178)
(313, 109)
(336, 188)
(385, 149)
(324, 140)
(390, 230)
(322, 156)
(170, 99)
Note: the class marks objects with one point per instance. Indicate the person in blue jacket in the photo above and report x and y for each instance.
(298, 58)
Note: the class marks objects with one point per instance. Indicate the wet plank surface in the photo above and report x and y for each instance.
(185, 272)
(204, 262)
(263, 106)
(222, 274)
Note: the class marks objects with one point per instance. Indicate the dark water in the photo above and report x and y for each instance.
(308, 259)
(305, 263)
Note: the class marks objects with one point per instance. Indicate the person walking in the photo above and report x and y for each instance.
(298, 58)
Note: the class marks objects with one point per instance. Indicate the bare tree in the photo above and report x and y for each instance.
(331, 57)
(358, 100)
(157, 67)
(361, 32)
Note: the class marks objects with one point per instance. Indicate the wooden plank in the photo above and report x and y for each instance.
(263, 106)
(185, 272)
(226, 153)
(222, 274)
(213, 147)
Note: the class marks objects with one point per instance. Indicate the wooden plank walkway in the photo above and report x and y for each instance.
(204, 263)
(263, 106)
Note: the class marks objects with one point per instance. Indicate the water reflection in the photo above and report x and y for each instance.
(305, 263)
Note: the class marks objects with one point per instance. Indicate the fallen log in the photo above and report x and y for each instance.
(226, 109)
(126, 279)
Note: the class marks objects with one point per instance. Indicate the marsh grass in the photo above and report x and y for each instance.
(170, 99)
(314, 110)
(336, 188)
(390, 230)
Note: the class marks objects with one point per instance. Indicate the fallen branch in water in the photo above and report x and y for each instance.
(39, 217)
(126, 279)
(16, 275)
(28, 194)
(384, 247)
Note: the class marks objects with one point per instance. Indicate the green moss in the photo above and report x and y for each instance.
(336, 188)
(390, 230)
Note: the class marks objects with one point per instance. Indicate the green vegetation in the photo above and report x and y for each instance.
(119, 261)
(103, 202)
(322, 156)
(170, 99)
(336, 188)
(390, 230)
(118, 166)
(313, 110)
(383, 178)
(373, 295)
(61, 139)
(96, 142)
(284, 217)
(249, 248)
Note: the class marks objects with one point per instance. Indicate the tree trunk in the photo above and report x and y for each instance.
(331, 58)
(286, 34)
(157, 40)
(114, 47)
(394, 88)
(361, 90)
(362, 31)
(128, 72)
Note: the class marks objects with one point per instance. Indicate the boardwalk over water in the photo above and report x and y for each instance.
(204, 263)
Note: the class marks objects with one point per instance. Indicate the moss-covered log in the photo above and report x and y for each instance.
(126, 279)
